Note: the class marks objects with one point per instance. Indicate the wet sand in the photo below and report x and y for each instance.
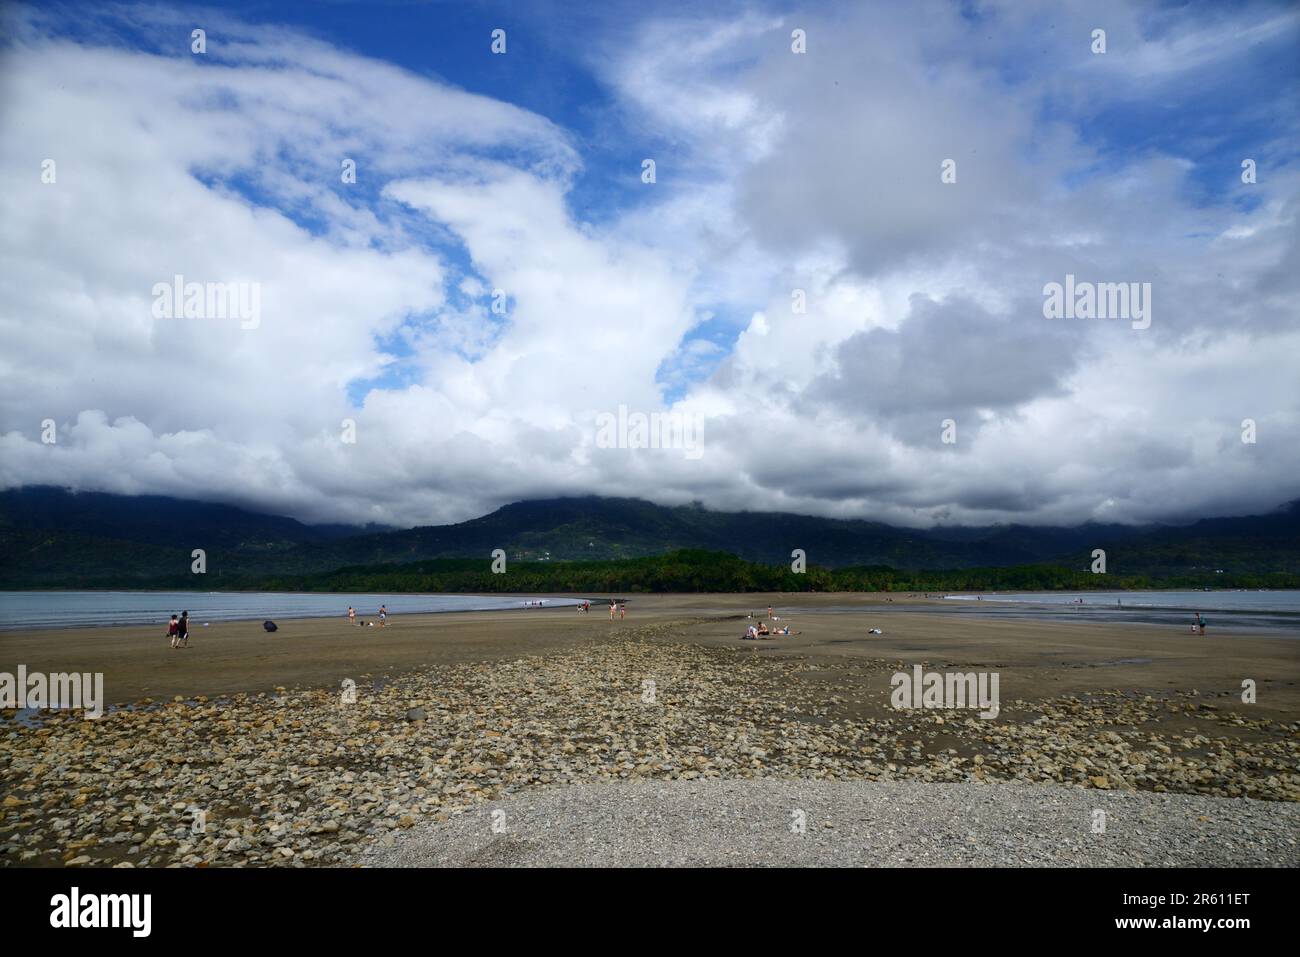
(1036, 659)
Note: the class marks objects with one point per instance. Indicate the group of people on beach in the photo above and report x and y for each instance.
(755, 632)
(382, 616)
(178, 630)
(616, 607)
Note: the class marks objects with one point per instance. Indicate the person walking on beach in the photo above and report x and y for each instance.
(352, 615)
(183, 631)
(622, 610)
(613, 606)
(173, 630)
(383, 615)
(1200, 624)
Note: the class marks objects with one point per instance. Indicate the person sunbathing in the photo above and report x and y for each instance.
(762, 628)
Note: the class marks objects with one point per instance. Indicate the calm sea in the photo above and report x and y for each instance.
(1266, 610)
(71, 609)
(1275, 611)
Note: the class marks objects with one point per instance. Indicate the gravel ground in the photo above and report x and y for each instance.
(306, 777)
(847, 824)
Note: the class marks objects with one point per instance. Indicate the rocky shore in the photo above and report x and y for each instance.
(303, 777)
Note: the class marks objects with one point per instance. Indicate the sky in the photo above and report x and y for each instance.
(834, 282)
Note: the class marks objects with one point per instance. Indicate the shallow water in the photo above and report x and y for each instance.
(78, 609)
(1202, 601)
(1273, 612)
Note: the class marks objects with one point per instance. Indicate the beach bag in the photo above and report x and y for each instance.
(269, 625)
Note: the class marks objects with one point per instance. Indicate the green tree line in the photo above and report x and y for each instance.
(692, 570)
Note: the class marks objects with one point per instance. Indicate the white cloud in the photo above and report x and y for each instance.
(817, 172)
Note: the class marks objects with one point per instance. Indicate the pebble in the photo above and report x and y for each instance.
(297, 778)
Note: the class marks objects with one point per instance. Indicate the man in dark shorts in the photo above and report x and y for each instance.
(183, 631)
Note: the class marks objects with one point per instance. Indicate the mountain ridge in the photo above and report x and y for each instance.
(51, 537)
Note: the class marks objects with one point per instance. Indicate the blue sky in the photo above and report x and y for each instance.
(545, 71)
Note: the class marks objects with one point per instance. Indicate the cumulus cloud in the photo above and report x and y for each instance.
(800, 278)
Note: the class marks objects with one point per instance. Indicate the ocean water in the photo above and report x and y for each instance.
(1202, 601)
(72, 609)
(1277, 611)
(1265, 612)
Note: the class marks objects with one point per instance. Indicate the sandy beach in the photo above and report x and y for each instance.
(455, 710)
(1036, 659)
